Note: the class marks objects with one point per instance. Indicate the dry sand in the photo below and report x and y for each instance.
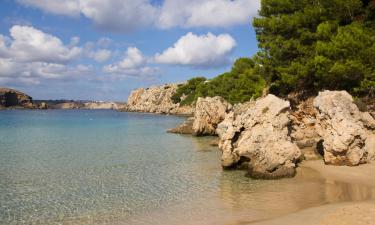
(348, 213)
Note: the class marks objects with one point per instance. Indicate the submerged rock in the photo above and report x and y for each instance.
(209, 112)
(156, 100)
(185, 128)
(13, 98)
(260, 137)
(339, 123)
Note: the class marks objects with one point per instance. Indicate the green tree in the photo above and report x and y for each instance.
(316, 44)
(240, 84)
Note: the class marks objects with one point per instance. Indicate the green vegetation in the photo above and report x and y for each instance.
(305, 45)
(315, 44)
(239, 85)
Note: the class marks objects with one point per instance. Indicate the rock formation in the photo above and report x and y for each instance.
(156, 100)
(102, 105)
(185, 128)
(304, 133)
(14, 98)
(260, 137)
(340, 125)
(209, 112)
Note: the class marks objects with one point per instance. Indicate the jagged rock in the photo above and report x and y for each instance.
(260, 137)
(341, 128)
(209, 112)
(14, 98)
(156, 100)
(102, 105)
(304, 133)
(68, 105)
(43, 105)
(184, 128)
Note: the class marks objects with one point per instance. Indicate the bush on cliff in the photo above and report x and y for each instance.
(314, 45)
(238, 85)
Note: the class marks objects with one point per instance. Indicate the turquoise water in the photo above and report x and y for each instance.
(107, 167)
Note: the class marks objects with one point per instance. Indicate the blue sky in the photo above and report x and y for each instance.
(102, 49)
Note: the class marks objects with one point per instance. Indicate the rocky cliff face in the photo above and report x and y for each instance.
(260, 137)
(14, 98)
(156, 100)
(342, 129)
(269, 138)
(209, 112)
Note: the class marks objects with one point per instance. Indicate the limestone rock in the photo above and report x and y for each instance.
(341, 128)
(14, 98)
(209, 112)
(184, 128)
(260, 137)
(304, 133)
(43, 105)
(102, 105)
(156, 100)
(68, 105)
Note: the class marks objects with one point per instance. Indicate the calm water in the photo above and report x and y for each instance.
(106, 167)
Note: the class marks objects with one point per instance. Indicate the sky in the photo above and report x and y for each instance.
(103, 49)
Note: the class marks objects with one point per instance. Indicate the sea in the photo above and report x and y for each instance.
(109, 167)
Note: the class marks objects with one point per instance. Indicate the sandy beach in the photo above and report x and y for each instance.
(345, 213)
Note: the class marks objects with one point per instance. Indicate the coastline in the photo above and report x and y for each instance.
(355, 211)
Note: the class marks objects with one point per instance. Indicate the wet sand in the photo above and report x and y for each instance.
(344, 213)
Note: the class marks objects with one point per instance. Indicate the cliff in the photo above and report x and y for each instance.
(156, 100)
(10, 98)
(269, 138)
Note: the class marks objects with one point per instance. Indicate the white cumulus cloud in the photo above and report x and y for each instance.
(31, 45)
(128, 15)
(133, 64)
(207, 13)
(62, 7)
(201, 51)
(30, 55)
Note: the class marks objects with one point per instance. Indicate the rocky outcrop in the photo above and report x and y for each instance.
(185, 128)
(209, 112)
(67, 105)
(260, 138)
(304, 133)
(102, 105)
(13, 98)
(340, 124)
(156, 100)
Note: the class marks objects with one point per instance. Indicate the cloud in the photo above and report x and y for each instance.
(62, 7)
(129, 15)
(32, 45)
(34, 72)
(133, 64)
(29, 56)
(199, 51)
(207, 13)
(119, 15)
(101, 55)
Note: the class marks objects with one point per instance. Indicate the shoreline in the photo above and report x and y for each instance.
(358, 212)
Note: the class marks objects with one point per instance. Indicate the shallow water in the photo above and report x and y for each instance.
(106, 167)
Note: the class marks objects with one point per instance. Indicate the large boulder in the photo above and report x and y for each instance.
(304, 133)
(209, 112)
(13, 98)
(340, 125)
(260, 138)
(156, 100)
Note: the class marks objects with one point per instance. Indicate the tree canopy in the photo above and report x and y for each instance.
(317, 44)
(238, 85)
(304, 46)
